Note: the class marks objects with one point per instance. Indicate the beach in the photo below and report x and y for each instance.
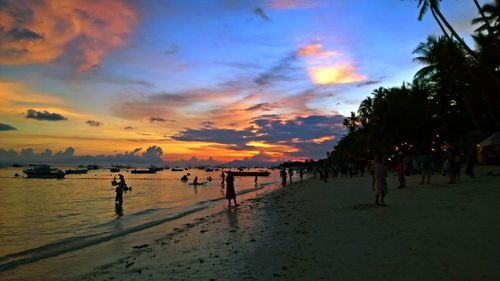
(332, 231)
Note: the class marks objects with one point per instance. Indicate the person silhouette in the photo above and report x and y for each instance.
(230, 191)
(120, 188)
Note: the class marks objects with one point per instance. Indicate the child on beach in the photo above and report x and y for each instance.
(230, 192)
(379, 183)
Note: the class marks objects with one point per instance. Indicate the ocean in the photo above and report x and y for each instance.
(44, 218)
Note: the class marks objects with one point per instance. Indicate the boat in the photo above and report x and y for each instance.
(250, 174)
(76, 171)
(114, 170)
(154, 168)
(93, 167)
(177, 169)
(143, 171)
(44, 172)
(209, 170)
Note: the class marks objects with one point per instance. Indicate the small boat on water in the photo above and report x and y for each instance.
(177, 169)
(154, 168)
(143, 171)
(250, 174)
(209, 170)
(114, 170)
(93, 167)
(76, 171)
(44, 172)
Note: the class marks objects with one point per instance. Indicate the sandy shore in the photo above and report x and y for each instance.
(332, 231)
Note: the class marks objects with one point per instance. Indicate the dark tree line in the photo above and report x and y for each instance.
(453, 101)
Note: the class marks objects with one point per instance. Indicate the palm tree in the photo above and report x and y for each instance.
(352, 122)
(446, 73)
(490, 18)
(439, 17)
(491, 103)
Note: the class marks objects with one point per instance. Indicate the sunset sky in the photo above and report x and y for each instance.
(266, 80)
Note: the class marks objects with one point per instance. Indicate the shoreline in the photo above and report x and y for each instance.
(314, 231)
(67, 264)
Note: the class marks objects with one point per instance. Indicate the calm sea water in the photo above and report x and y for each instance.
(41, 218)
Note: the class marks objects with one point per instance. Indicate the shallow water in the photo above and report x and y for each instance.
(42, 218)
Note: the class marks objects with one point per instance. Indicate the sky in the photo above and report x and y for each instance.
(227, 80)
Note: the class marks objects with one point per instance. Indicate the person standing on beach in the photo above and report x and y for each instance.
(400, 169)
(426, 166)
(222, 177)
(290, 174)
(120, 187)
(379, 183)
(469, 168)
(230, 192)
(283, 176)
(301, 174)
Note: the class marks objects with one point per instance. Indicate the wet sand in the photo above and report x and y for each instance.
(332, 231)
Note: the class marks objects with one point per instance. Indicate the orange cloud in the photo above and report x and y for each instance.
(335, 74)
(40, 32)
(315, 50)
(15, 96)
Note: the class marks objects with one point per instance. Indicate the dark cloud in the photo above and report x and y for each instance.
(368, 83)
(20, 12)
(312, 135)
(156, 119)
(6, 127)
(236, 138)
(94, 123)
(151, 155)
(300, 128)
(159, 120)
(259, 160)
(21, 34)
(261, 14)
(280, 72)
(241, 65)
(88, 17)
(44, 115)
(261, 107)
(207, 124)
(172, 49)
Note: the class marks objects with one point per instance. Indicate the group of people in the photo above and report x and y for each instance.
(284, 174)
(426, 164)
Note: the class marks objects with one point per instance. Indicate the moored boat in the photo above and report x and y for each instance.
(44, 171)
(114, 170)
(177, 169)
(143, 171)
(76, 171)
